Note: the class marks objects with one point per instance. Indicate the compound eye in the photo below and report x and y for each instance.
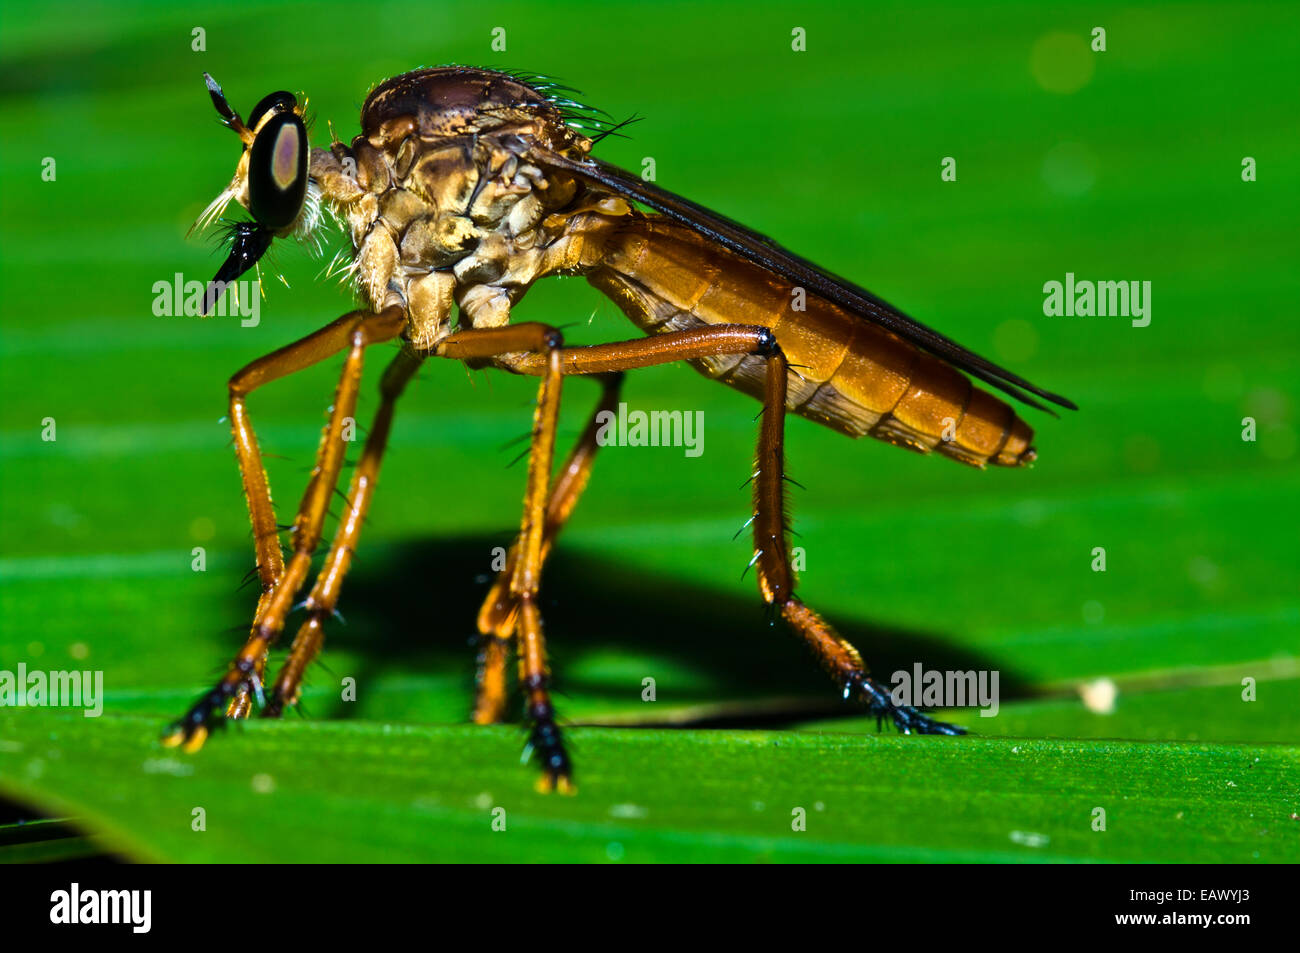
(284, 101)
(277, 171)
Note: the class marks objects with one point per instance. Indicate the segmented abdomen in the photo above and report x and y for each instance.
(847, 373)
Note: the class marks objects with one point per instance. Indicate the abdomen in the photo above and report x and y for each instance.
(847, 373)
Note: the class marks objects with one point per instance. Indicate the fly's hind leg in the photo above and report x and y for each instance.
(776, 576)
(500, 612)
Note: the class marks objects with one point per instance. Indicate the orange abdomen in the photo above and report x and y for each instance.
(847, 373)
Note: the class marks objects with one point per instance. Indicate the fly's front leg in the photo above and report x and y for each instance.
(500, 611)
(534, 671)
(776, 576)
(324, 595)
(280, 583)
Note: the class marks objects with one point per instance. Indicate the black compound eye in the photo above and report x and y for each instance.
(277, 171)
(286, 101)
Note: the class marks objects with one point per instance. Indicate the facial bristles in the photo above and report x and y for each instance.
(213, 212)
(309, 218)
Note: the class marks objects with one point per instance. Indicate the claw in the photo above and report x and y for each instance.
(192, 731)
(196, 740)
(560, 783)
(544, 742)
(924, 725)
(188, 741)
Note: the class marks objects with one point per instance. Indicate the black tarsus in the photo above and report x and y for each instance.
(905, 718)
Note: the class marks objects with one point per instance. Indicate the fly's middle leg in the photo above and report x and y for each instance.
(500, 612)
(776, 575)
(525, 582)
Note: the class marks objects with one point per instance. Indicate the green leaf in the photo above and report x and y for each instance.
(349, 791)
(837, 154)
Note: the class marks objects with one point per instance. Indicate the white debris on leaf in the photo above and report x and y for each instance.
(628, 810)
(1030, 839)
(1099, 696)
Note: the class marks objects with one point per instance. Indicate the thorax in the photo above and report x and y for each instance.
(465, 220)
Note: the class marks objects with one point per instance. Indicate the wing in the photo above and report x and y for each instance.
(768, 254)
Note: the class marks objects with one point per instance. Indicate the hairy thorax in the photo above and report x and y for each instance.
(463, 219)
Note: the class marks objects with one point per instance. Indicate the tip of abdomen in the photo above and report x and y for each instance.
(1017, 451)
(1027, 456)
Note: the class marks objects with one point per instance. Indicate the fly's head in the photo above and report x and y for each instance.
(271, 182)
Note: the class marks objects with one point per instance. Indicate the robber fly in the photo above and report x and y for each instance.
(465, 187)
